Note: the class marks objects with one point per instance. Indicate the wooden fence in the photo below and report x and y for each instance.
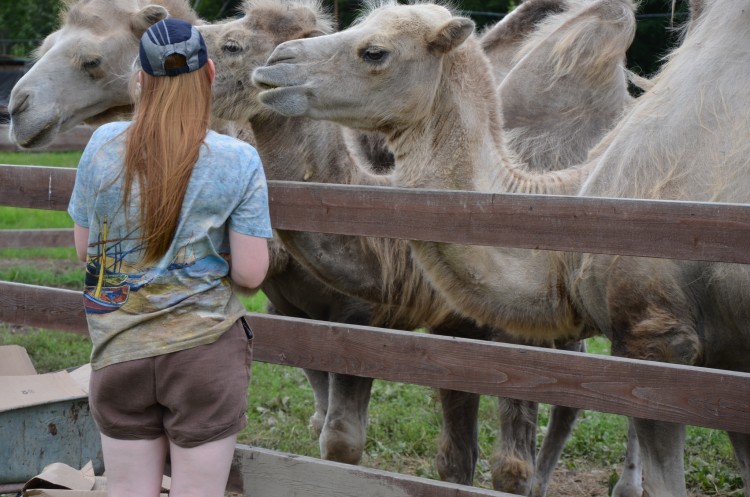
(690, 395)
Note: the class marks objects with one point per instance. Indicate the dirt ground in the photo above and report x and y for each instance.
(578, 483)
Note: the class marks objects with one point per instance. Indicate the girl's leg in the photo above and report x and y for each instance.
(134, 467)
(201, 471)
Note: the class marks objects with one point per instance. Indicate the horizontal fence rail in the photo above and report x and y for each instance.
(649, 228)
(696, 396)
(262, 472)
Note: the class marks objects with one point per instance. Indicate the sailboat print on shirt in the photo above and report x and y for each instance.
(111, 280)
(110, 291)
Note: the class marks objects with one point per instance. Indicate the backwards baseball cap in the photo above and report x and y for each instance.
(172, 36)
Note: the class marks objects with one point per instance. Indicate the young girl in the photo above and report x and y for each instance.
(159, 205)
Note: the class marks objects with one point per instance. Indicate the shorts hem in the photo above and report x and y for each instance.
(190, 441)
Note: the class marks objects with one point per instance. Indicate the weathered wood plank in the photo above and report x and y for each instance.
(695, 396)
(262, 472)
(36, 238)
(42, 307)
(36, 187)
(681, 230)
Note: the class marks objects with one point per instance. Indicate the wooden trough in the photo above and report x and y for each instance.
(690, 395)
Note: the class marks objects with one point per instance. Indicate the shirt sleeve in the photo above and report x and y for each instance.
(251, 216)
(78, 206)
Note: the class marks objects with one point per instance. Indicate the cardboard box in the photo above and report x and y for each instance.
(61, 480)
(44, 419)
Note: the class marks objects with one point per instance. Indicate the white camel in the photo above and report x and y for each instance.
(407, 70)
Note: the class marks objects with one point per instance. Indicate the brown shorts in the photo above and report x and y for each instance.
(193, 396)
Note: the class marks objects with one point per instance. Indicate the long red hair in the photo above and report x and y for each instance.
(169, 125)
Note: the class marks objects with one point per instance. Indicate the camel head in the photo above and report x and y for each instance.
(83, 70)
(385, 66)
(239, 46)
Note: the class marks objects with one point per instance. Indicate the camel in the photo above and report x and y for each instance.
(303, 150)
(683, 139)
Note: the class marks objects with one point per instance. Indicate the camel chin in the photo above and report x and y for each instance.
(34, 136)
(287, 101)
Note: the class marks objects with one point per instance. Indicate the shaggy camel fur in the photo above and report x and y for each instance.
(303, 150)
(416, 67)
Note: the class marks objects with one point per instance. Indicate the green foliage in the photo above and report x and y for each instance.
(212, 10)
(29, 21)
(26, 23)
(254, 303)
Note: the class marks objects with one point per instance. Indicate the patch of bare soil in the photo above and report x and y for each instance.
(579, 483)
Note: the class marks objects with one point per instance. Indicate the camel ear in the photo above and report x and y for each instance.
(451, 34)
(146, 17)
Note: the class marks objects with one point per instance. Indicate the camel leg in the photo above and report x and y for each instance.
(458, 447)
(513, 460)
(319, 382)
(662, 449)
(345, 429)
(741, 444)
(561, 422)
(560, 426)
(630, 483)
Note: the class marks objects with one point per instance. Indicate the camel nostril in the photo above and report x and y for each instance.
(264, 86)
(278, 59)
(19, 103)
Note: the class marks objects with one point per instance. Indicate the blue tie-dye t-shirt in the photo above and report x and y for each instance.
(185, 300)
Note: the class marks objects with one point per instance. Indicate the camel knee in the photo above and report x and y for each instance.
(512, 474)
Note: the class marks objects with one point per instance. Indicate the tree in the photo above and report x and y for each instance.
(25, 23)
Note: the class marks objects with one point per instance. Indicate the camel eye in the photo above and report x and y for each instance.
(374, 54)
(93, 68)
(92, 64)
(232, 47)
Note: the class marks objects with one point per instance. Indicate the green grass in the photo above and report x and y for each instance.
(49, 350)
(50, 159)
(404, 420)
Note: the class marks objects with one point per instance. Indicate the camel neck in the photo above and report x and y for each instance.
(300, 149)
(459, 144)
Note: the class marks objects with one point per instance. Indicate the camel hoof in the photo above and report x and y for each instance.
(628, 490)
(340, 443)
(538, 489)
(512, 475)
(453, 473)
